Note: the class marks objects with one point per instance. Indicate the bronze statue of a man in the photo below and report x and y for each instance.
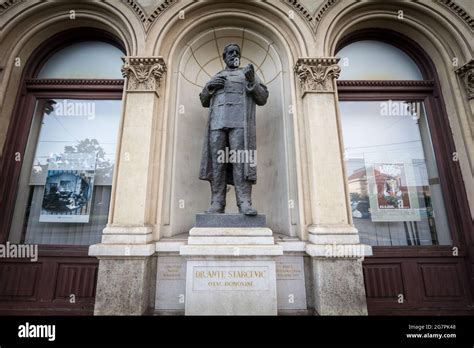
(231, 96)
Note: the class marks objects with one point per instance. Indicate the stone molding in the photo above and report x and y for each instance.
(321, 11)
(143, 73)
(8, 4)
(459, 11)
(466, 74)
(308, 17)
(313, 19)
(383, 83)
(317, 74)
(86, 82)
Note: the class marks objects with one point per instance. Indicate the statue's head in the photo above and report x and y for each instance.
(231, 55)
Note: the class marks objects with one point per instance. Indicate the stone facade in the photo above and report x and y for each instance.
(294, 43)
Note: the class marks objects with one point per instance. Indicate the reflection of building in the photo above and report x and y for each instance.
(357, 182)
(140, 219)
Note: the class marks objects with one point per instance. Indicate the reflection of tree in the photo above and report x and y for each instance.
(104, 166)
(356, 197)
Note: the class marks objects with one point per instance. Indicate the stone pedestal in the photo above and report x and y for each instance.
(231, 270)
(337, 276)
(123, 286)
(126, 279)
(338, 286)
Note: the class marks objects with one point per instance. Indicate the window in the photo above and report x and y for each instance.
(84, 60)
(64, 187)
(391, 166)
(386, 62)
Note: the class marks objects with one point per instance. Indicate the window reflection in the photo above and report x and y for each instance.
(78, 126)
(84, 60)
(71, 173)
(392, 176)
(386, 62)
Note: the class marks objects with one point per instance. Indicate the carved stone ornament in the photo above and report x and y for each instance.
(143, 74)
(466, 73)
(458, 10)
(317, 74)
(313, 18)
(8, 4)
(150, 16)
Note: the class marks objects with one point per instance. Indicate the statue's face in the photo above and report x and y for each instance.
(232, 57)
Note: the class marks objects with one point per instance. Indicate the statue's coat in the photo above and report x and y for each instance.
(256, 94)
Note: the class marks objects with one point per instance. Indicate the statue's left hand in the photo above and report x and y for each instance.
(249, 73)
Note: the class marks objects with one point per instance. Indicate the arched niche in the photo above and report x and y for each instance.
(275, 192)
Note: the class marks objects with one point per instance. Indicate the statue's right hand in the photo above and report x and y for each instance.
(216, 83)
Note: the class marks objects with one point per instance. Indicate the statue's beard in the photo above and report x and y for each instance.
(233, 62)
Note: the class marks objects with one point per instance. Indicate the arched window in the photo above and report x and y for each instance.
(71, 109)
(376, 60)
(84, 60)
(394, 164)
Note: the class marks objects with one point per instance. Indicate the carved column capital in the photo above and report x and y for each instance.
(466, 73)
(317, 74)
(143, 73)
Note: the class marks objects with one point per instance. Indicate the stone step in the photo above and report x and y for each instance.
(230, 220)
(230, 231)
(230, 240)
(231, 250)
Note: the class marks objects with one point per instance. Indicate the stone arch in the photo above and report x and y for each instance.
(35, 26)
(170, 30)
(283, 220)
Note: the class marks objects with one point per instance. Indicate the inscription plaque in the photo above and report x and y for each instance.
(291, 288)
(230, 278)
(170, 283)
(231, 287)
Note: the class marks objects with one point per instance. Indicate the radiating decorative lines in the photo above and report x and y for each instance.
(243, 40)
(273, 79)
(263, 61)
(191, 82)
(217, 48)
(197, 62)
(232, 35)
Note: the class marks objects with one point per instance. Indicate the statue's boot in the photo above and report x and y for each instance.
(218, 197)
(247, 209)
(216, 208)
(243, 192)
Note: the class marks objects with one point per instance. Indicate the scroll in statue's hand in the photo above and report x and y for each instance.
(249, 73)
(217, 83)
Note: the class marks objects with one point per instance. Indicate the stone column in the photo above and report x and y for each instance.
(333, 240)
(126, 269)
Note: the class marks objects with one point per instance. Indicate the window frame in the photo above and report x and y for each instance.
(428, 91)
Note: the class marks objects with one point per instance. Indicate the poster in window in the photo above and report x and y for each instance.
(392, 189)
(68, 189)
